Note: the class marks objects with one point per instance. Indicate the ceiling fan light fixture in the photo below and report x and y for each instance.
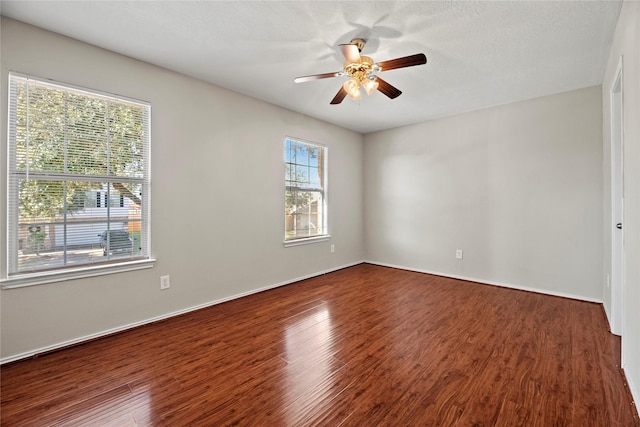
(352, 87)
(363, 72)
(370, 85)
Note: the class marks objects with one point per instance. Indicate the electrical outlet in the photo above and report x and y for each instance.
(165, 282)
(458, 253)
(333, 248)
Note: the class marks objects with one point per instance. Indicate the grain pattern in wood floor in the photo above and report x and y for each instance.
(363, 346)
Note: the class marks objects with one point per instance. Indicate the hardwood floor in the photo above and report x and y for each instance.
(363, 346)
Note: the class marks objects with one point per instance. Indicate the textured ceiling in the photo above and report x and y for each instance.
(479, 53)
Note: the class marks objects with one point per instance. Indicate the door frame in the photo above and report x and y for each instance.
(616, 93)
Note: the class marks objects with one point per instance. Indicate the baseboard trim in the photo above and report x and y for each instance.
(102, 334)
(635, 392)
(488, 282)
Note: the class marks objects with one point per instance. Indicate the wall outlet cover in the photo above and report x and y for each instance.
(165, 282)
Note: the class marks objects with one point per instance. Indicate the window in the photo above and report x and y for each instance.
(305, 190)
(78, 175)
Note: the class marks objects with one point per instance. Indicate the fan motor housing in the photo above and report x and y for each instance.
(359, 69)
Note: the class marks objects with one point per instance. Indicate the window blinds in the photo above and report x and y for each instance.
(78, 169)
(305, 192)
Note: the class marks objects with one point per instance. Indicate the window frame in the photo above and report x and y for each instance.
(323, 189)
(13, 276)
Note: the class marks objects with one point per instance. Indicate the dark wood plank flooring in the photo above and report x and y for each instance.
(363, 346)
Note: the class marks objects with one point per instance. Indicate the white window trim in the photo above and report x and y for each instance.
(23, 280)
(306, 240)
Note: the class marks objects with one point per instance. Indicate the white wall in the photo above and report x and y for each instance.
(626, 43)
(217, 197)
(518, 188)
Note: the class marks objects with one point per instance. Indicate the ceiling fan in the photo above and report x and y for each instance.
(364, 72)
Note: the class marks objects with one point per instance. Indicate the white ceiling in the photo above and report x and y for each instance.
(479, 53)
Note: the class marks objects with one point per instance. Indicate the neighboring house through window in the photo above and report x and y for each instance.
(78, 171)
(305, 190)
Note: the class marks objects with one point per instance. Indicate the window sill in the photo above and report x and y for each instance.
(306, 241)
(22, 280)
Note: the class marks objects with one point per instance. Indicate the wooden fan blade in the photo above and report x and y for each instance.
(339, 96)
(350, 52)
(316, 77)
(391, 91)
(407, 61)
